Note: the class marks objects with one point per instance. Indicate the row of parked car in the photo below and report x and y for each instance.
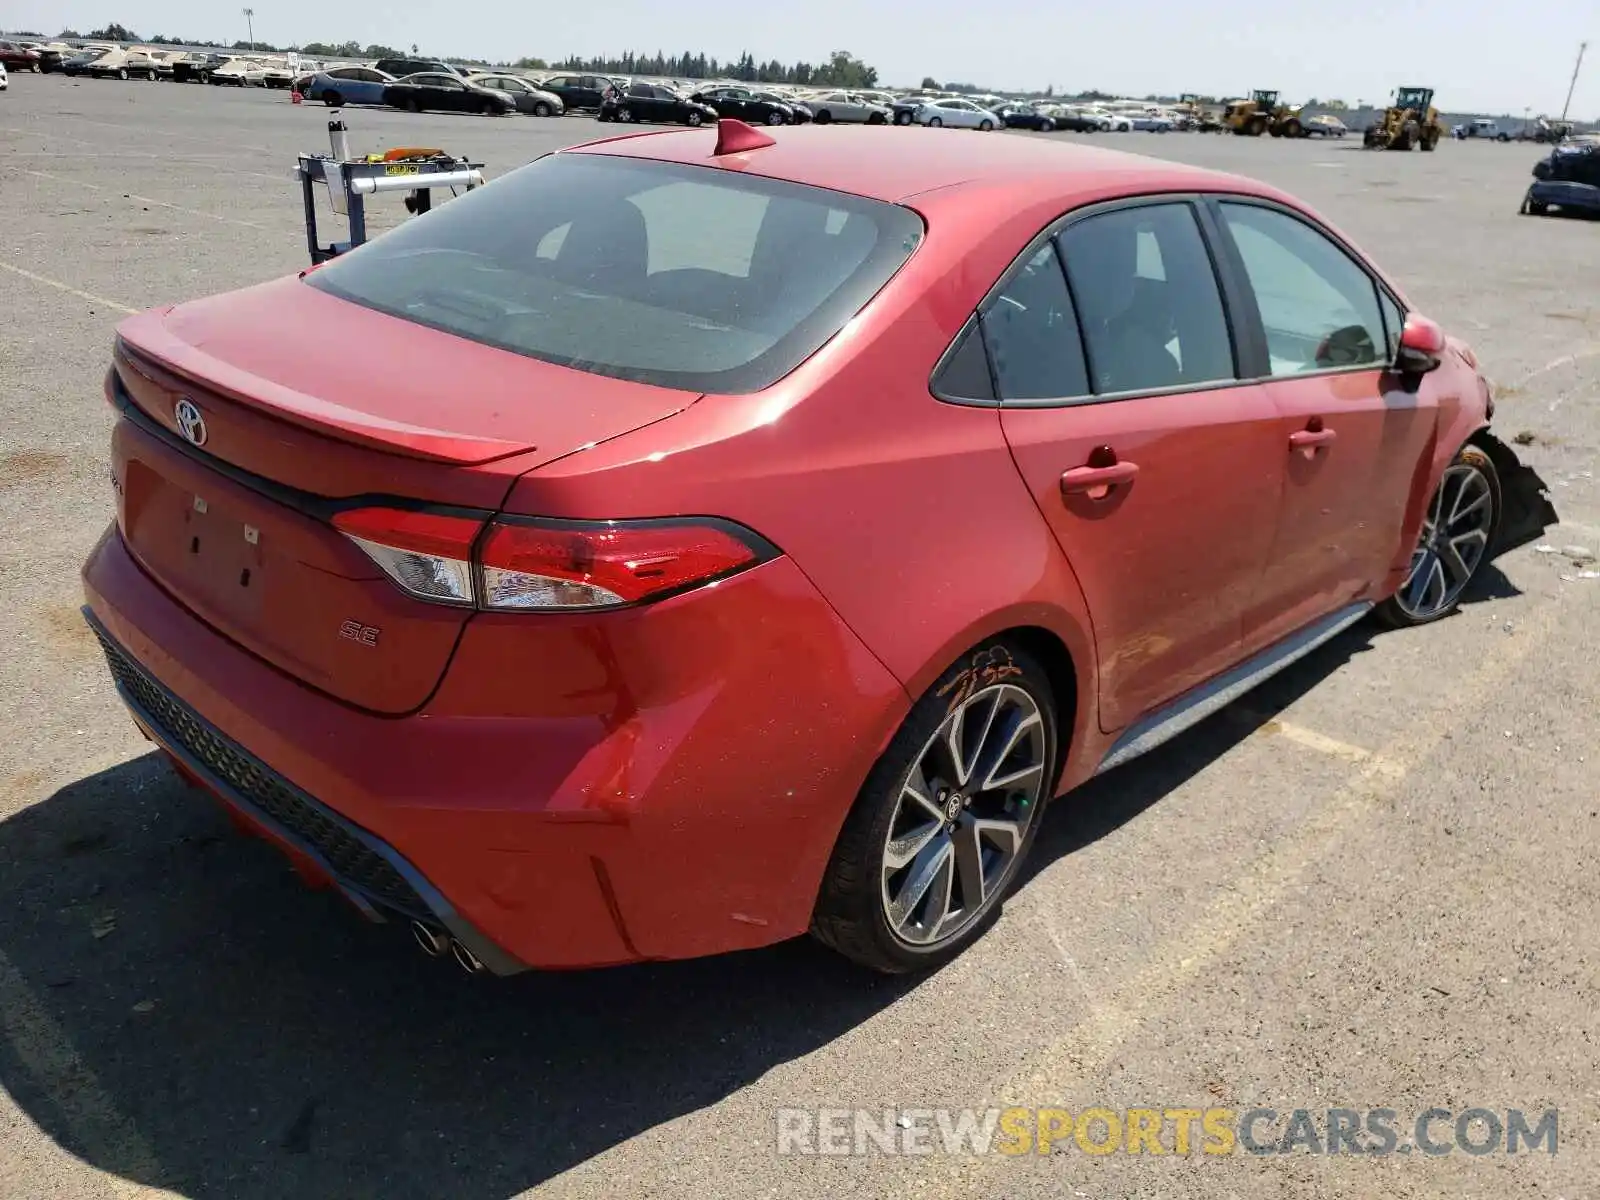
(419, 84)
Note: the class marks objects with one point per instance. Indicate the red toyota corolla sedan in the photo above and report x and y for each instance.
(681, 544)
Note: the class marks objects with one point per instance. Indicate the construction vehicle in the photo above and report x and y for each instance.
(1263, 113)
(1199, 115)
(1411, 120)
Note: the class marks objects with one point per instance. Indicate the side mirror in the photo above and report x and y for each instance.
(1422, 345)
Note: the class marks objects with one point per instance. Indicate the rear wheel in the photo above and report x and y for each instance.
(902, 118)
(941, 827)
(935, 122)
(1293, 129)
(122, 72)
(1457, 532)
(822, 118)
(1256, 127)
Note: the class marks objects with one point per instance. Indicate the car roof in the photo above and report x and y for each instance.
(864, 161)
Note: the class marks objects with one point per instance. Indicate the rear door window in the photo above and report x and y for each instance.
(1147, 299)
(1032, 334)
(686, 277)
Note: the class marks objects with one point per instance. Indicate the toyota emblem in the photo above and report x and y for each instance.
(190, 423)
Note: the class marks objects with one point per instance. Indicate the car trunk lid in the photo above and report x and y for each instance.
(253, 417)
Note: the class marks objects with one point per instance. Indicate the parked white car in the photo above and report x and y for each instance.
(240, 72)
(847, 106)
(957, 114)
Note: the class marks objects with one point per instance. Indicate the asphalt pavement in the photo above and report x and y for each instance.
(1371, 884)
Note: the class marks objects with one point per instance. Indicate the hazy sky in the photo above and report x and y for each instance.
(1476, 54)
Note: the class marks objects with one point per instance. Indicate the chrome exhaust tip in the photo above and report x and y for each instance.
(434, 942)
(466, 959)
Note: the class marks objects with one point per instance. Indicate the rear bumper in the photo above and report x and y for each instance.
(577, 793)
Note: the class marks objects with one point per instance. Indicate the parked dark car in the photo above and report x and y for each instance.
(401, 67)
(745, 105)
(579, 91)
(905, 111)
(197, 68)
(433, 91)
(15, 57)
(1077, 123)
(1020, 116)
(800, 109)
(651, 103)
(51, 58)
(78, 64)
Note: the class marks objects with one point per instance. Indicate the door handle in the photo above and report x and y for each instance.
(1310, 439)
(1088, 479)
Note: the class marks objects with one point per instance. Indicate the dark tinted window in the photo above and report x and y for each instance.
(681, 276)
(964, 374)
(1032, 335)
(1148, 300)
(1319, 309)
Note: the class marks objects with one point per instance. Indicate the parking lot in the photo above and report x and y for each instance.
(1373, 883)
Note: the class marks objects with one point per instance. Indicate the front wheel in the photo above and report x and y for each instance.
(413, 106)
(775, 117)
(541, 109)
(941, 827)
(1457, 533)
(822, 118)
(902, 118)
(695, 119)
(122, 73)
(985, 126)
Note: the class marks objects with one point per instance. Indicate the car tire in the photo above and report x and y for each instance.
(1470, 491)
(935, 122)
(775, 117)
(965, 832)
(625, 115)
(122, 73)
(695, 119)
(985, 126)
(903, 118)
(489, 109)
(413, 105)
(877, 119)
(541, 109)
(333, 99)
(822, 118)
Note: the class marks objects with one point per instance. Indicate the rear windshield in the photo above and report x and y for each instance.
(686, 277)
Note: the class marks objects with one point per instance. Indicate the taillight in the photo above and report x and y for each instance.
(548, 565)
(427, 554)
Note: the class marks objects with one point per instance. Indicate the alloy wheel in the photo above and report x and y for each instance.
(963, 815)
(1454, 541)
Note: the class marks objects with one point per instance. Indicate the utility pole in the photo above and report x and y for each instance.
(1582, 46)
(250, 25)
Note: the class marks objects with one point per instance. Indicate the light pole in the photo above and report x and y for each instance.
(1582, 46)
(250, 25)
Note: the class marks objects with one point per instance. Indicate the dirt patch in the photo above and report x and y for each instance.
(68, 631)
(18, 467)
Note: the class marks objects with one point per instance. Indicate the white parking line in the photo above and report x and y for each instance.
(107, 1138)
(95, 187)
(69, 289)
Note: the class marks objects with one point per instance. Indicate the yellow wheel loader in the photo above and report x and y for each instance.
(1263, 113)
(1411, 120)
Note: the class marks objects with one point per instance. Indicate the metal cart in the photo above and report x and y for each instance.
(350, 181)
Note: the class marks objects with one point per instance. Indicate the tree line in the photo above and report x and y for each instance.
(842, 69)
